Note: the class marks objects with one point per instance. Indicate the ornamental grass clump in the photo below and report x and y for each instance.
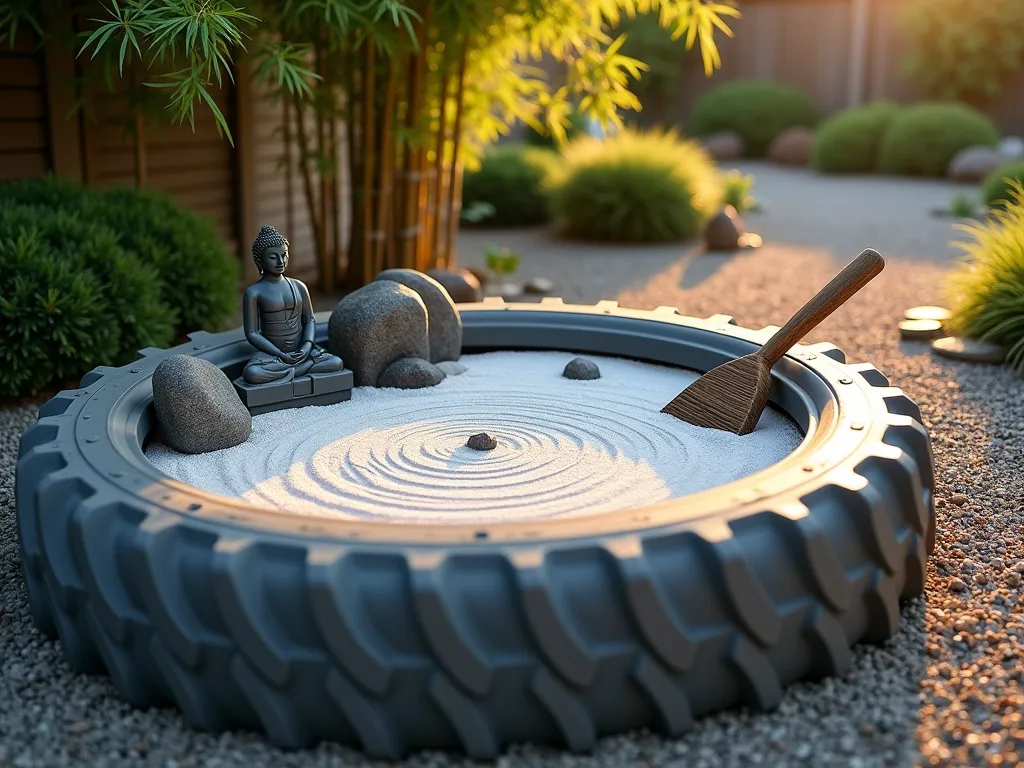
(634, 187)
(73, 299)
(987, 291)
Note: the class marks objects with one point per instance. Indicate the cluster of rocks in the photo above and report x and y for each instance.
(791, 147)
(973, 164)
(395, 331)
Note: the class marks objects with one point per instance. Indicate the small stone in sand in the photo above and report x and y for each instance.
(582, 369)
(410, 373)
(451, 367)
(482, 442)
(959, 499)
(920, 329)
(928, 313)
(970, 350)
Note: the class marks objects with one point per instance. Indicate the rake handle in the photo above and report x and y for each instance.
(854, 276)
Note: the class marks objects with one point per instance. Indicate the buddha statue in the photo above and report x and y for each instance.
(277, 315)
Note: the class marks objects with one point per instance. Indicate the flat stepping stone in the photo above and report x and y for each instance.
(941, 314)
(916, 330)
(969, 350)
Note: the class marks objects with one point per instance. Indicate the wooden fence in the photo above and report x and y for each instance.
(840, 52)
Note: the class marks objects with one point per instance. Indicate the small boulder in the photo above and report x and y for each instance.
(792, 146)
(197, 406)
(410, 373)
(451, 367)
(974, 163)
(725, 145)
(461, 284)
(376, 325)
(482, 442)
(539, 285)
(723, 231)
(444, 326)
(482, 275)
(581, 369)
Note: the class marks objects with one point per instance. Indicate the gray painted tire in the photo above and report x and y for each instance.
(396, 638)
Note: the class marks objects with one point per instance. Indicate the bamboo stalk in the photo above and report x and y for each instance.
(369, 262)
(409, 221)
(435, 196)
(455, 170)
(355, 158)
(381, 247)
(307, 184)
(329, 254)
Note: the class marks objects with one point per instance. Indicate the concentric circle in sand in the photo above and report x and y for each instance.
(565, 447)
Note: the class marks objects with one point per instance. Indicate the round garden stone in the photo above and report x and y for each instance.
(444, 326)
(538, 285)
(376, 325)
(197, 406)
(581, 369)
(461, 284)
(970, 350)
(920, 329)
(411, 373)
(725, 145)
(482, 442)
(792, 146)
(725, 231)
(974, 163)
(941, 314)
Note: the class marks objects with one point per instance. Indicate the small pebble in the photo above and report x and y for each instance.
(958, 585)
(959, 499)
(482, 442)
(582, 369)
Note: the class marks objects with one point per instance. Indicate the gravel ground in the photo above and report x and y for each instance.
(945, 691)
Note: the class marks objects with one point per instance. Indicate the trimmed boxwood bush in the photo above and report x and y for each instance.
(987, 292)
(73, 299)
(758, 110)
(198, 276)
(996, 188)
(922, 140)
(634, 187)
(511, 178)
(849, 141)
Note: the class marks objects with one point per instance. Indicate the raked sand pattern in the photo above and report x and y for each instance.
(565, 447)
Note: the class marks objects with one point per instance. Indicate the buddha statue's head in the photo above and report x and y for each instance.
(270, 252)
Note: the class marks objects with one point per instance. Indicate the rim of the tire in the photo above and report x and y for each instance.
(827, 399)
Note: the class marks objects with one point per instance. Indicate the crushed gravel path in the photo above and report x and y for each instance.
(945, 691)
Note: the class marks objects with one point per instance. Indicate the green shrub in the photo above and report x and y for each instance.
(987, 291)
(962, 52)
(511, 178)
(757, 110)
(995, 190)
(634, 187)
(922, 139)
(198, 276)
(73, 299)
(849, 141)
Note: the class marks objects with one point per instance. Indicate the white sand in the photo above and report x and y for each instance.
(564, 447)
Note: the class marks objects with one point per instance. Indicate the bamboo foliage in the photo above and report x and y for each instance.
(410, 91)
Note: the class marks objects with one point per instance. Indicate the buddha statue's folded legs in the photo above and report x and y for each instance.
(263, 368)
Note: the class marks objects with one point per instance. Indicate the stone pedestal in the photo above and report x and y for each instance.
(313, 389)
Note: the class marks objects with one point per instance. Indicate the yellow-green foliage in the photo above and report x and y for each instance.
(634, 187)
(987, 291)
